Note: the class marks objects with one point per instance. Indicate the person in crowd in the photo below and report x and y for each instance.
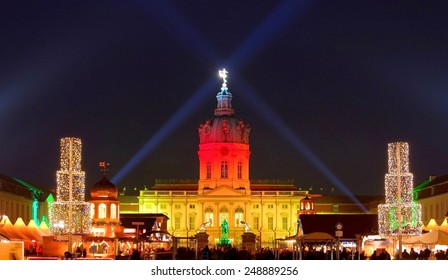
(432, 256)
(413, 254)
(384, 255)
(426, 253)
(405, 255)
(135, 255)
(206, 253)
(344, 254)
(40, 251)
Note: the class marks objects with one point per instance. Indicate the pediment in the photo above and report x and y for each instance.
(224, 191)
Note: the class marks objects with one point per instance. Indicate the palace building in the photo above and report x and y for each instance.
(21, 199)
(224, 190)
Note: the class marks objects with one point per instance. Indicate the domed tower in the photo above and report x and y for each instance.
(224, 146)
(105, 206)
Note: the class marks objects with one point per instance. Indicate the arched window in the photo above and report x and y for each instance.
(92, 211)
(239, 216)
(113, 211)
(118, 211)
(224, 169)
(223, 215)
(102, 211)
(209, 216)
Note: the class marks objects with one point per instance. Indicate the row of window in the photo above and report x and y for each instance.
(284, 206)
(225, 170)
(254, 206)
(102, 211)
(239, 222)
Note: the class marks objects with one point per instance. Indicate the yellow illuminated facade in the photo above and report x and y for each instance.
(224, 191)
(269, 211)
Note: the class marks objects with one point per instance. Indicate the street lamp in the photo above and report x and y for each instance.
(338, 233)
(138, 224)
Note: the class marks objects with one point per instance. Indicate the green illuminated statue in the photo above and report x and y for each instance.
(224, 228)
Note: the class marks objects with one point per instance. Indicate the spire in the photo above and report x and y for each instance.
(224, 97)
(103, 166)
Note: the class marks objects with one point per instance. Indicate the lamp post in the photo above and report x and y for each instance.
(138, 224)
(339, 234)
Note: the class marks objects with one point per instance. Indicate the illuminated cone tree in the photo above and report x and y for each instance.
(400, 215)
(70, 214)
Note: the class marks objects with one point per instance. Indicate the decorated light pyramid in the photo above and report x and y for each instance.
(400, 215)
(69, 213)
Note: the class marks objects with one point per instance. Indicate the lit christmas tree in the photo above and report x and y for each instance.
(70, 214)
(400, 215)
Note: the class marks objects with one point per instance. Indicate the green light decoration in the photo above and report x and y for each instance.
(36, 194)
(400, 215)
(393, 222)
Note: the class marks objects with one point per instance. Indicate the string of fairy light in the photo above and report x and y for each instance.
(400, 215)
(70, 192)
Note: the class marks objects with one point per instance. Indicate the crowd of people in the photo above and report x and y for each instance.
(308, 253)
(425, 254)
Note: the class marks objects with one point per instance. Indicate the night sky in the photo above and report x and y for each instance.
(325, 86)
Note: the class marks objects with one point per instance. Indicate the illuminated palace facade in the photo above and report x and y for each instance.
(224, 191)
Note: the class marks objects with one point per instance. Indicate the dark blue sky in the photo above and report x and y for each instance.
(344, 78)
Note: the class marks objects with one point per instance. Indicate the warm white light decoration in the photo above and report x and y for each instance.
(223, 75)
(70, 213)
(400, 215)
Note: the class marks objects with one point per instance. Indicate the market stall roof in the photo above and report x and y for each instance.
(22, 228)
(145, 222)
(11, 232)
(6, 230)
(36, 231)
(20, 231)
(43, 227)
(432, 225)
(353, 224)
(435, 237)
(444, 225)
(316, 236)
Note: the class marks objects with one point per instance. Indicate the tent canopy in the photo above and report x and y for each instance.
(316, 236)
(432, 225)
(431, 238)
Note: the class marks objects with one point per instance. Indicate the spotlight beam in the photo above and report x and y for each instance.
(169, 17)
(250, 48)
(265, 112)
(178, 24)
(267, 32)
(183, 113)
